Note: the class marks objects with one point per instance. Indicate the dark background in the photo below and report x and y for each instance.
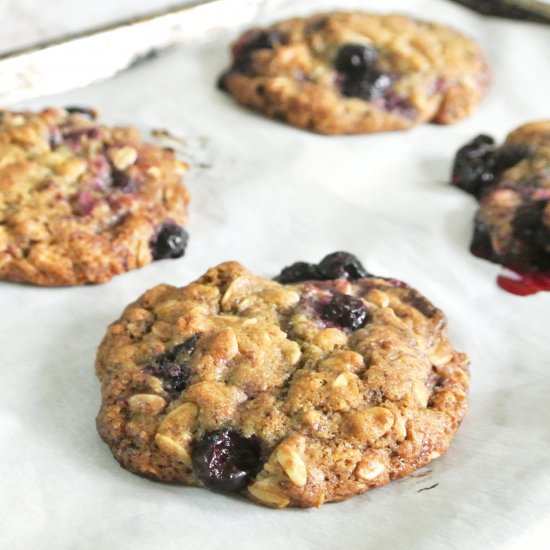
(518, 9)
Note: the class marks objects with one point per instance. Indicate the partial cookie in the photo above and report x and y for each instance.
(353, 73)
(512, 185)
(81, 202)
(292, 394)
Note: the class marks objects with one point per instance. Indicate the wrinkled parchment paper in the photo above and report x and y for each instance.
(267, 195)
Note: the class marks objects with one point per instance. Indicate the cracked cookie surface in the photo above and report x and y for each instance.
(352, 72)
(239, 383)
(81, 202)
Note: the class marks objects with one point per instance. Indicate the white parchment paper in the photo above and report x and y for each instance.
(267, 195)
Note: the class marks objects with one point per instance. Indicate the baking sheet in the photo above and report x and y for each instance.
(28, 24)
(266, 195)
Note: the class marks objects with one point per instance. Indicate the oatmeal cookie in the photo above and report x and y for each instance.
(312, 388)
(512, 185)
(81, 202)
(353, 73)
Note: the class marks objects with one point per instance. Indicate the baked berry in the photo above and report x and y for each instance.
(345, 311)
(86, 111)
(341, 265)
(188, 346)
(482, 245)
(474, 165)
(298, 272)
(266, 40)
(528, 221)
(122, 181)
(221, 83)
(54, 137)
(85, 202)
(509, 155)
(395, 102)
(338, 265)
(247, 45)
(421, 304)
(543, 239)
(76, 135)
(173, 367)
(372, 86)
(225, 460)
(170, 242)
(358, 73)
(355, 59)
(530, 229)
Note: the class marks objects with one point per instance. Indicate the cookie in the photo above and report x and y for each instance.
(294, 392)
(354, 73)
(512, 185)
(81, 202)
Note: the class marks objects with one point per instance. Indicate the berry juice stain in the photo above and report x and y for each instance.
(523, 283)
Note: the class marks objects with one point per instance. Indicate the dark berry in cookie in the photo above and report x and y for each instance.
(84, 203)
(86, 111)
(170, 242)
(509, 155)
(529, 228)
(265, 40)
(358, 73)
(345, 311)
(76, 135)
(122, 181)
(480, 161)
(225, 460)
(187, 347)
(543, 240)
(482, 245)
(355, 59)
(174, 376)
(172, 367)
(528, 221)
(423, 305)
(474, 165)
(298, 272)
(338, 265)
(342, 265)
(395, 102)
(371, 86)
(251, 42)
(55, 139)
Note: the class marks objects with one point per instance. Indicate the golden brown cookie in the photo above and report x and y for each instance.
(353, 73)
(293, 393)
(81, 202)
